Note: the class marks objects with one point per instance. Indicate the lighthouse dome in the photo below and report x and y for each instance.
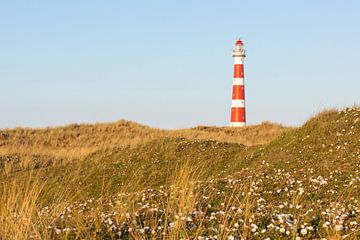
(239, 42)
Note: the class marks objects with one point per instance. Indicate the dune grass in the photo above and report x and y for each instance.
(259, 182)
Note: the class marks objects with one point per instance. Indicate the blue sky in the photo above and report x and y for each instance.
(168, 63)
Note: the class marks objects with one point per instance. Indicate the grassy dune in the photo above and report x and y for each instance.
(127, 181)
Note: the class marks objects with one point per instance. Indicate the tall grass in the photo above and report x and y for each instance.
(86, 137)
(25, 192)
(18, 208)
(24, 149)
(183, 198)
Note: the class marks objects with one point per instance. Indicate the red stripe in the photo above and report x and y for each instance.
(238, 71)
(238, 92)
(237, 114)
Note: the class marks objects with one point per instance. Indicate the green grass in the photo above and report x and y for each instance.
(300, 183)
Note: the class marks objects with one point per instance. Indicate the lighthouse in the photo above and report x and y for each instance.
(238, 118)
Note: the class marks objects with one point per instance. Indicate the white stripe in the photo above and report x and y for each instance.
(238, 81)
(238, 60)
(237, 124)
(239, 103)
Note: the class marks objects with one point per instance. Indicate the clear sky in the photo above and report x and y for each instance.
(168, 64)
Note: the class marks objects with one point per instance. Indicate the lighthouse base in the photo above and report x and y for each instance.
(237, 124)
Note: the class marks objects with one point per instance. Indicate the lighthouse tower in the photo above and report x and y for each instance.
(238, 118)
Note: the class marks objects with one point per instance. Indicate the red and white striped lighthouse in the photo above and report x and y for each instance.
(238, 118)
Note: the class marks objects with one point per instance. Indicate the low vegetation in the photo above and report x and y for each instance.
(127, 181)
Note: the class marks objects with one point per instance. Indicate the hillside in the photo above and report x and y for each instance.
(32, 148)
(127, 181)
(121, 133)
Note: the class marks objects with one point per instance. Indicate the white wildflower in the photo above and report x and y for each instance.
(230, 237)
(339, 227)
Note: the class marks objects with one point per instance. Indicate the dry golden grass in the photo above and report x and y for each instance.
(153, 153)
(25, 149)
(250, 136)
(18, 209)
(184, 197)
(123, 133)
(64, 144)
